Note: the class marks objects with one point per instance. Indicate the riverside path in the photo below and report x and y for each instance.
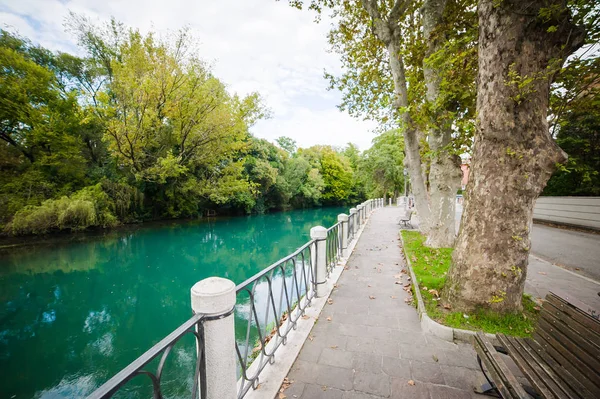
(368, 342)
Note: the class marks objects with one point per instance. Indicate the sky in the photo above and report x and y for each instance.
(253, 45)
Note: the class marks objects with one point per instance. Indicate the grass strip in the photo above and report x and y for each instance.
(431, 265)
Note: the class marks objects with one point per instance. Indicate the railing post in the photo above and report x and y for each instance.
(360, 214)
(390, 201)
(343, 219)
(215, 297)
(354, 220)
(319, 234)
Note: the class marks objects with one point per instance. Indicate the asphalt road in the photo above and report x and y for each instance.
(571, 249)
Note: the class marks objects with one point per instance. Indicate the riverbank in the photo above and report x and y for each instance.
(9, 241)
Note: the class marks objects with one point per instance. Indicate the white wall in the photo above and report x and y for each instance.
(576, 211)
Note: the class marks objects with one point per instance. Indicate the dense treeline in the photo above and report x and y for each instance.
(141, 129)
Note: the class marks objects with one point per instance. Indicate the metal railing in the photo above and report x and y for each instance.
(271, 303)
(268, 306)
(162, 350)
(334, 246)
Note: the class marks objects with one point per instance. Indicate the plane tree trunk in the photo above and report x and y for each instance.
(444, 172)
(514, 154)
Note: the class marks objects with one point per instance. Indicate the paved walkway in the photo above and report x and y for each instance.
(368, 342)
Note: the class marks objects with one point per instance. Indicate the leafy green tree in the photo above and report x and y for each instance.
(382, 165)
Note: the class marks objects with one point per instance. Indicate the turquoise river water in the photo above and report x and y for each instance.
(76, 310)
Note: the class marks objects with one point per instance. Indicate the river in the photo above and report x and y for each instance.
(76, 310)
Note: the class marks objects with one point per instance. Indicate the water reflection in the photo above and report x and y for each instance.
(73, 313)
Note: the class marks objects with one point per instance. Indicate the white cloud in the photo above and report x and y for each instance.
(254, 45)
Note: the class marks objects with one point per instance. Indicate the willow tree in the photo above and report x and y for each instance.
(521, 47)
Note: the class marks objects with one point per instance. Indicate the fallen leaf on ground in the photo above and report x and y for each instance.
(334, 347)
(411, 382)
(399, 275)
(434, 292)
(435, 358)
(329, 318)
(335, 286)
(305, 317)
(282, 395)
(447, 306)
(324, 388)
(371, 297)
(330, 301)
(346, 268)
(544, 273)
(407, 284)
(368, 285)
(311, 337)
(398, 282)
(393, 297)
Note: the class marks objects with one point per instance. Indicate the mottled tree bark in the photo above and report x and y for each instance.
(389, 32)
(514, 154)
(444, 172)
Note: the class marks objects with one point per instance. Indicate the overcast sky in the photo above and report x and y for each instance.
(254, 45)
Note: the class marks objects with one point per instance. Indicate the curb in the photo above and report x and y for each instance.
(431, 326)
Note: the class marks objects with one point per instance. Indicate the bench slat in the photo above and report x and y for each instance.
(504, 379)
(571, 363)
(570, 376)
(569, 305)
(581, 330)
(534, 374)
(579, 339)
(538, 371)
(567, 342)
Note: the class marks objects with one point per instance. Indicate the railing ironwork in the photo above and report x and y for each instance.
(333, 246)
(161, 350)
(270, 304)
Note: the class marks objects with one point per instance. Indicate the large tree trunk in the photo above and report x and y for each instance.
(388, 30)
(411, 140)
(444, 172)
(514, 154)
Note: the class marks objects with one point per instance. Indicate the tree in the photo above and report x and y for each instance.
(521, 46)
(287, 144)
(382, 165)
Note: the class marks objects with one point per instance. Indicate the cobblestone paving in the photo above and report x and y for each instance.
(368, 342)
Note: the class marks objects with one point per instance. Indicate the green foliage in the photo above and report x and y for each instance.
(87, 207)
(382, 166)
(430, 266)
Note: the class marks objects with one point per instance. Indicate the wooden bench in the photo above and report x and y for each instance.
(561, 360)
(405, 219)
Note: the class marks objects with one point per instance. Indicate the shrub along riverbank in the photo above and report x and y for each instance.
(430, 266)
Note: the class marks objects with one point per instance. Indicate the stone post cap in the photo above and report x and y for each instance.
(342, 217)
(359, 207)
(213, 295)
(352, 211)
(318, 233)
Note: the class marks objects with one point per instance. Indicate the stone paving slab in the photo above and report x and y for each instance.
(374, 348)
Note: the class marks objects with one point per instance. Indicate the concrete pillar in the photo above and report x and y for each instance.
(354, 219)
(343, 219)
(359, 214)
(390, 201)
(215, 297)
(319, 233)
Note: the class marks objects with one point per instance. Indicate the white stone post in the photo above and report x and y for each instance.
(215, 297)
(343, 219)
(390, 201)
(354, 220)
(319, 233)
(359, 214)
